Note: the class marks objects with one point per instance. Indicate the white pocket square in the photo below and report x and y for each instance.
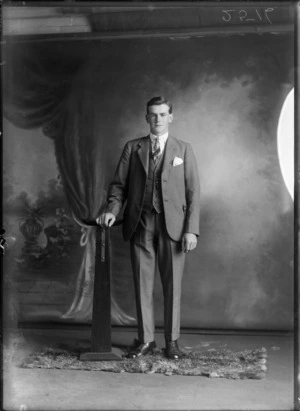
(177, 161)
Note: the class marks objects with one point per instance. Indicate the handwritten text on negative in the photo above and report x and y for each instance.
(263, 15)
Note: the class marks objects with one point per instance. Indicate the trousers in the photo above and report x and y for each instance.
(151, 247)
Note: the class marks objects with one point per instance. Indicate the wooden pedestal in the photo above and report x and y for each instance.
(101, 349)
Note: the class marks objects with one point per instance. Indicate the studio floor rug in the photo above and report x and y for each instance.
(214, 363)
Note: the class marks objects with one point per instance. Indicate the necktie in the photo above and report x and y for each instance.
(156, 149)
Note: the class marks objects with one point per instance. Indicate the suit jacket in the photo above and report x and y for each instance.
(180, 187)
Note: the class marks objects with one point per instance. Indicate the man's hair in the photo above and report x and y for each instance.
(157, 101)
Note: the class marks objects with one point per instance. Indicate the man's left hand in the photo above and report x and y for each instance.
(189, 242)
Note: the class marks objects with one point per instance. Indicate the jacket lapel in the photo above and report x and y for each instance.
(170, 150)
(143, 152)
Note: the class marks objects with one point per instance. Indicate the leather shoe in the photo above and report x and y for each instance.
(172, 350)
(142, 349)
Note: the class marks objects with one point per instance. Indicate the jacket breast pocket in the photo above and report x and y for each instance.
(178, 166)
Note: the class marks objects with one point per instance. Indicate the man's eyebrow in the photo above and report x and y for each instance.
(158, 114)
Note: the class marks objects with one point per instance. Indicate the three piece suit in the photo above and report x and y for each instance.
(162, 203)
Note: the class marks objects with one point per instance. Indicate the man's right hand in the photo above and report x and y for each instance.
(106, 219)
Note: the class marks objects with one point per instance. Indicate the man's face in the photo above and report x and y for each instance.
(159, 118)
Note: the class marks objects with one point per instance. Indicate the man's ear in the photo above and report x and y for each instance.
(147, 118)
(170, 118)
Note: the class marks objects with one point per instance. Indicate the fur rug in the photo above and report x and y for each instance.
(214, 363)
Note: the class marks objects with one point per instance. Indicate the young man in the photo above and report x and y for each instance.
(158, 179)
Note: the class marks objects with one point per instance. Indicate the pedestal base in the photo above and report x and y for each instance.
(113, 355)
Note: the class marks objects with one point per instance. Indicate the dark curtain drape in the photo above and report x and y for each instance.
(50, 88)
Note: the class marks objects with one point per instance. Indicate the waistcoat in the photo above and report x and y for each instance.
(153, 193)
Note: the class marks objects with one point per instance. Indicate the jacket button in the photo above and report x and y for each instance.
(166, 200)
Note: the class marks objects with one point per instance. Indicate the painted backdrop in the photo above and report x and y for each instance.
(70, 107)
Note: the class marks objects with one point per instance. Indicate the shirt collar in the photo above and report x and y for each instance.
(161, 138)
